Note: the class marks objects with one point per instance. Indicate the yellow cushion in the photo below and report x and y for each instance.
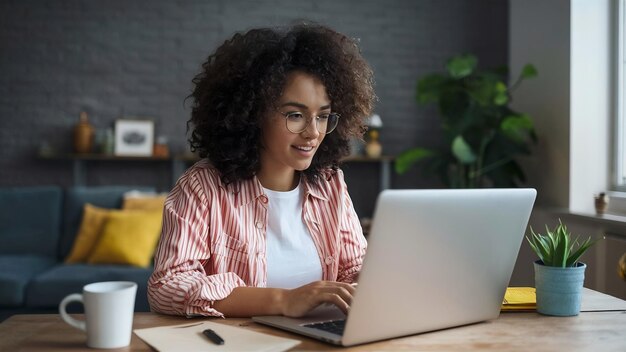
(88, 233)
(128, 237)
(144, 202)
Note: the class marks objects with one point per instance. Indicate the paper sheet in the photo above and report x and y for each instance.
(189, 338)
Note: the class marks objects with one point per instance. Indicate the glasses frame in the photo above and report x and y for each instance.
(308, 122)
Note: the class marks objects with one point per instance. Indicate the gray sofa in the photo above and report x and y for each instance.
(37, 230)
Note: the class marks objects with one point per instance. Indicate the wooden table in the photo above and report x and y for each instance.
(601, 326)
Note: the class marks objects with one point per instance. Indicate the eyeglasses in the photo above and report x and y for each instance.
(298, 123)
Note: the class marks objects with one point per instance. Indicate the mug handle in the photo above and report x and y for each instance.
(74, 297)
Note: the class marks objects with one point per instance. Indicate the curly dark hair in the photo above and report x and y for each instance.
(245, 76)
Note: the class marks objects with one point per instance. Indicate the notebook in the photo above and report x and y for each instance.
(189, 338)
(430, 252)
(519, 299)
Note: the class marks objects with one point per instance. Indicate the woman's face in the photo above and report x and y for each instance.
(283, 150)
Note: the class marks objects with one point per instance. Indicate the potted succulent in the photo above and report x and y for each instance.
(559, 276)
(482, 135)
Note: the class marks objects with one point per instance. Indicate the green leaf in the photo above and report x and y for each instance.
(529, 71)
(462, 151)
(409, 157)
(484, 87)
(516, 127)
(534, 248)
(461, 66)
(482, 93)
(542, 246)
(561, 252)
(429, 88)
(501, 99)
(545, 248)
(573, 258)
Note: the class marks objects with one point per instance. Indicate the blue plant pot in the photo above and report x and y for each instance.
(559, 290)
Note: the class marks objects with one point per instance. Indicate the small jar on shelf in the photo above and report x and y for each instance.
(83, 135)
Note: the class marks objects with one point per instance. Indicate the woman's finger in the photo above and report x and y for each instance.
(338, 301)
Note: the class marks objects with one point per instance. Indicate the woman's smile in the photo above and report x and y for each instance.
(305, 149)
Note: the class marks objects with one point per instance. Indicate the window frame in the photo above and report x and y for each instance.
(618, 172)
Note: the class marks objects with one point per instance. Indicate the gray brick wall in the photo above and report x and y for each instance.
(136, 58)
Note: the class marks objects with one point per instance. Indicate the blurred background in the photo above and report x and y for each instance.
(119, 60)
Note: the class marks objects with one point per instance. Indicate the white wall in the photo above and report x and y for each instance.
(570, 102)
(539, 33)
(590, 101)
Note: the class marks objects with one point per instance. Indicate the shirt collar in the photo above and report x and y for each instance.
(315, 189)
(246, 191)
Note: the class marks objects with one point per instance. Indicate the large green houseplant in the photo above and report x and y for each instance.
(482, 135)
(559, 275)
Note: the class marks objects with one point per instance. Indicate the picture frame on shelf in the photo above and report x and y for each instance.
(134, 137)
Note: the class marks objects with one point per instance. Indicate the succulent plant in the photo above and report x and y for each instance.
(556, 247)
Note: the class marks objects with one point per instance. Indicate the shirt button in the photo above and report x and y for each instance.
(263, 199)
(329, 260)
(259, 225)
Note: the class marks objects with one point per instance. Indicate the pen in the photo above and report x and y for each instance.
(213, 336)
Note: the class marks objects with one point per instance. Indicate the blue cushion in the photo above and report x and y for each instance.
(17, 270)
(76, 197)
(30, 220)
(49, 288)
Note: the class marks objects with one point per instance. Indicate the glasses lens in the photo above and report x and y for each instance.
(296, 122)
(331, 123)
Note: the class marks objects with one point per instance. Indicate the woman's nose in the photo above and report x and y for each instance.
(311, 130)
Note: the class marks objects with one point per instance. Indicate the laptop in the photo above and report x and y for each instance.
(436, 259)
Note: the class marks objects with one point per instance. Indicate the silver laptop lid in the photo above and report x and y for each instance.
(437, 259)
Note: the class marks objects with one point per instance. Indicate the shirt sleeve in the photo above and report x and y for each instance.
(353, 243)
(179, 284)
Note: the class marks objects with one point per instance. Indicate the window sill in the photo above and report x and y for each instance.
(610, 219)
(617, 202)
(615, 224)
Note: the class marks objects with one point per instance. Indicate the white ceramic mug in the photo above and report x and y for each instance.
(109, 308)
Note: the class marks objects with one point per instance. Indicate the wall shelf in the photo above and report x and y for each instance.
(179, 163)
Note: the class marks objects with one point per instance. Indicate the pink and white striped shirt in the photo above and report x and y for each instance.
(213, 238)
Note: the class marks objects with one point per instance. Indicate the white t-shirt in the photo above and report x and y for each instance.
(292, 258)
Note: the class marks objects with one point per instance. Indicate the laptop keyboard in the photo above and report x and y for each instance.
(333, 326)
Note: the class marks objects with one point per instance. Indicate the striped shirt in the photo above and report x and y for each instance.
(213, 238)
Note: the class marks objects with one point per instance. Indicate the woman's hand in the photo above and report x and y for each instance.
(299, 301)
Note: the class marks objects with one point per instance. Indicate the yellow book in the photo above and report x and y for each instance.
(519, 299)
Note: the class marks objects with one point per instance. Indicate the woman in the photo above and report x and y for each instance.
(263, 224)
